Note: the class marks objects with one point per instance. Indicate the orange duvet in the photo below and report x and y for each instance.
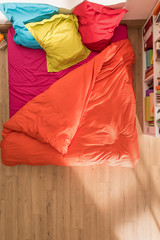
(85, 118)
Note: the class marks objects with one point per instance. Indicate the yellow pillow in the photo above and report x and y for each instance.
(60, 39)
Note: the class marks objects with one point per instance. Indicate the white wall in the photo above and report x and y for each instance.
(69, 4)
(137, 9)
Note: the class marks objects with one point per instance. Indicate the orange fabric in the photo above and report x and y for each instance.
(85, 118)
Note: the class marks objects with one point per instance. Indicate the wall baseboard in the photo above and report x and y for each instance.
(4, 27)
(134, 23)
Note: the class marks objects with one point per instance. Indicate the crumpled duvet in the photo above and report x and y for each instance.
(85, 118)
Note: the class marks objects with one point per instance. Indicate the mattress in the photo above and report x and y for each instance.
(28, 74)
(87, 117)
(80, 116)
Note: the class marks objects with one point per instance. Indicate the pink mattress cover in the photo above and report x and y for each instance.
(28, 74)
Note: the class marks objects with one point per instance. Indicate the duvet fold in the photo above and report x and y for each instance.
(85, 118)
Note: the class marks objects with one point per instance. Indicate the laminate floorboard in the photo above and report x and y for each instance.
(91, 203)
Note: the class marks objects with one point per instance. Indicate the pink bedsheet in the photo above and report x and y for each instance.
(28, 76)
(120, 33)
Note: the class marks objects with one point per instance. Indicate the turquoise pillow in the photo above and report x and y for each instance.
(20, 14)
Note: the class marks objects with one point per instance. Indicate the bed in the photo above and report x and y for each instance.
(81, 115)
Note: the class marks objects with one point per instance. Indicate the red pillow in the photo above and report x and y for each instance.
(97, 24)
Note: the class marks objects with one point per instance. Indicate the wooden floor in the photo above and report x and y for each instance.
(91, 203)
